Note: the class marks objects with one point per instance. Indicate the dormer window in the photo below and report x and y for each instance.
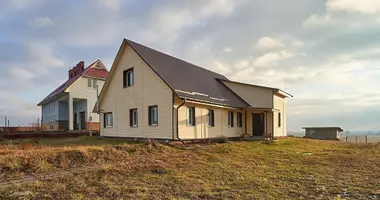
(128, 78)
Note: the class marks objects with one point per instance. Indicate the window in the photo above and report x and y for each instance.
(54, 109)
(91, 83)
(108, 120)
(230, 119)
(128, 78)
(239, 120)
(210, 115)
(133, 117)
(279, 119)
(191, 116)
(153, 115)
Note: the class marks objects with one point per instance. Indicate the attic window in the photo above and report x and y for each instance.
(128, 78)
(91, 83)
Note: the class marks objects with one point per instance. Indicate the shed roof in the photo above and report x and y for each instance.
(338, 128)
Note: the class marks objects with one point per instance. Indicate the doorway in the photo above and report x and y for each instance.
(82, 120)
(258, 124)
(75, 122)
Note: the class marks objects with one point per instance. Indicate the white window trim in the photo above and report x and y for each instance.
(151, 107)
(134, 118)
(93, 86)
(106, 120)
(188, 116)
(230, 125)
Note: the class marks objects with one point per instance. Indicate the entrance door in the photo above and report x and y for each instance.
(75, 121)
(258, 125)
(82, 120)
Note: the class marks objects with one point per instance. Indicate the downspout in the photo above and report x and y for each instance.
(184, 101)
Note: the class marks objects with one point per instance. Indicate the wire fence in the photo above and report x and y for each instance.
(361, 139)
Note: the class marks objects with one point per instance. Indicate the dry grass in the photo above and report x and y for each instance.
(291, 168)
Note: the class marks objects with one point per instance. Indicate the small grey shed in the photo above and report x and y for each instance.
(323, 133)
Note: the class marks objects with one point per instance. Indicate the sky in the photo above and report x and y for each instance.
(325, 53)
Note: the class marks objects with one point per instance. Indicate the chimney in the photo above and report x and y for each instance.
(80, 67)
(71, 73)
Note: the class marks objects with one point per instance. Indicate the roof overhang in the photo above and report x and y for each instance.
(262, 109)
(283, 93)
(208, 103)
(52, 98)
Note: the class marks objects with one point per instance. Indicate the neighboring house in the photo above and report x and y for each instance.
(149, 94)
(70, 105)
(323, 133)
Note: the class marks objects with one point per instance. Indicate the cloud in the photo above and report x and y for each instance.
(267, 42)
(41, 22)
(319, 20)
(365, 7)
(114, 5)
(272, 58)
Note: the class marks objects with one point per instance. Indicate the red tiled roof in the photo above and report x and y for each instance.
(98, 73)
(91, 72)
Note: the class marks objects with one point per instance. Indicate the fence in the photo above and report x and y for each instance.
(361, 139)
(46, 134)
(18, 129)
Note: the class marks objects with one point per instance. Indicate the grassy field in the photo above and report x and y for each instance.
(291, 168)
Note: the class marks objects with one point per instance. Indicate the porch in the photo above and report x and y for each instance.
(74, 112)
(259, 123)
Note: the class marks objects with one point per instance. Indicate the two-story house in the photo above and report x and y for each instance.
(69, 107)
(149, 94)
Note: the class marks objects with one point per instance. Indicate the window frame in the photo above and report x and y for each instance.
(92, 83)
(239, 120)
(279, 120)
(126, 79)
(211, 118)
(105, 120)
(230, 119)
(193, 123)
(132, 121)
(150, 122)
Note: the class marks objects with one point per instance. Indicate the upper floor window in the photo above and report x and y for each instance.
(239, 120)
(91, 83)
(211, 121)
(108, 120)
(128, 78)
(191, 116)
(230, 119)
(153, 115)
(133, 117)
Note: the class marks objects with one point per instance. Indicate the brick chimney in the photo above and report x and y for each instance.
(71, 73)
(80, 67)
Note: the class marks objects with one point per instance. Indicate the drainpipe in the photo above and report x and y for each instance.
(184, 101)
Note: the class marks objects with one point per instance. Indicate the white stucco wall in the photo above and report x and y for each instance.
(79, 90)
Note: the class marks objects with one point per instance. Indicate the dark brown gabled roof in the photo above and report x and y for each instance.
(188, 81)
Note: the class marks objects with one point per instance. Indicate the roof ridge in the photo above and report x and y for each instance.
(193, 65)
